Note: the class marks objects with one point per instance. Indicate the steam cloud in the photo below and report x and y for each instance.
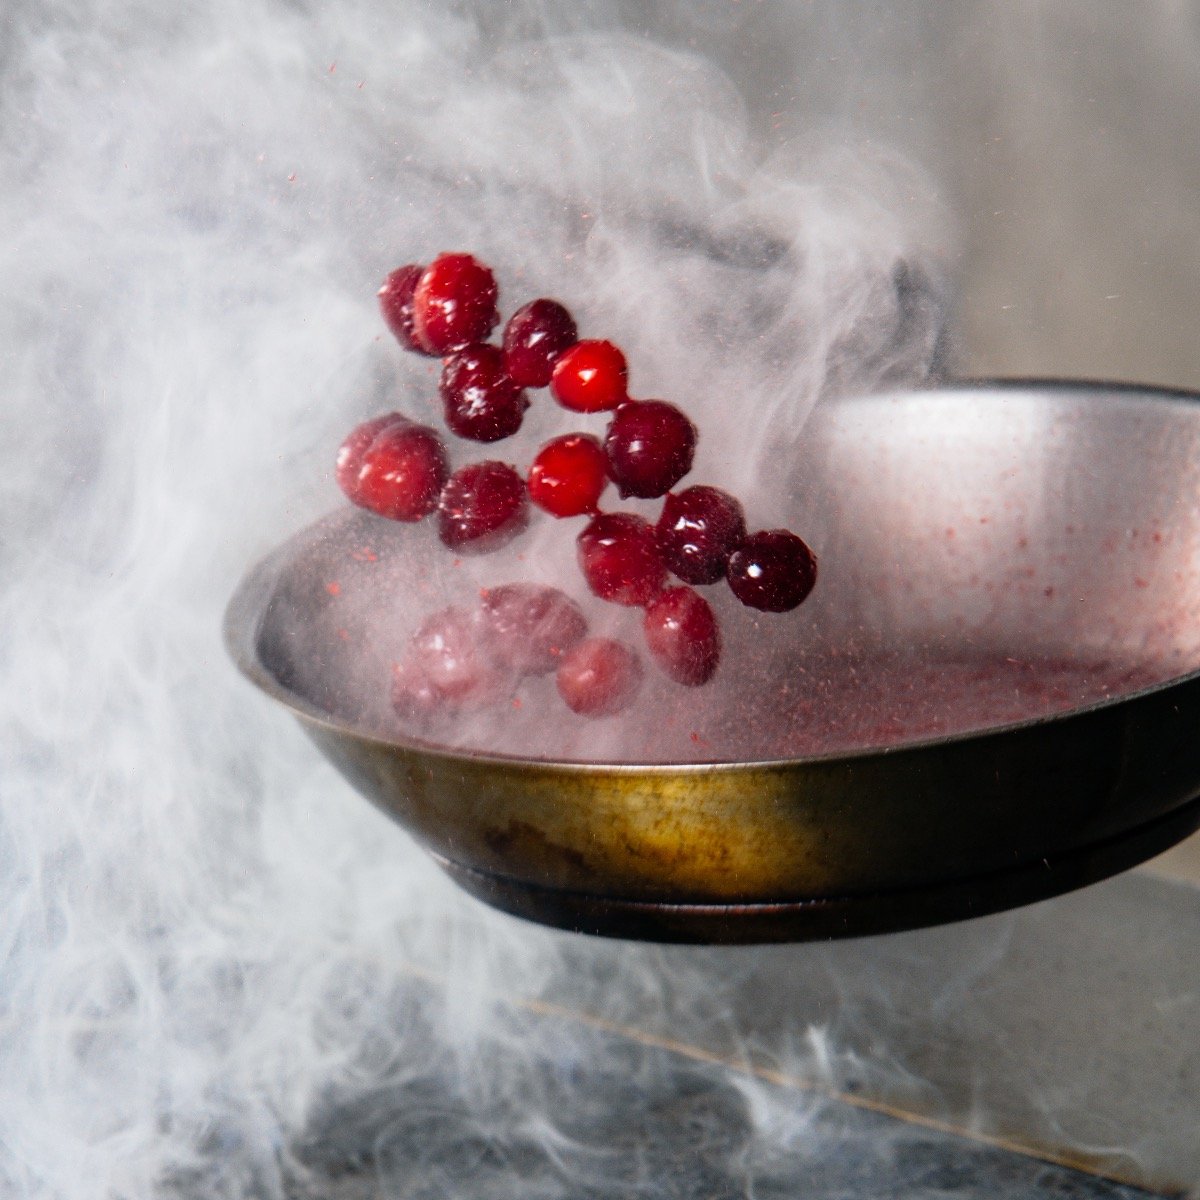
(208, 943)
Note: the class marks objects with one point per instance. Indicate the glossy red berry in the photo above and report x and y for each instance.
(700, 527)
(454, 304)
(599, 677)
(482, 507)
(534, 337)
(773, 570)
(402, 472)
(527, 628)
(351, 452)
(649, 445)
(480, 401)
(568, 475)
(396, 304)
(619, 557)
(590, 377)
(682, 635)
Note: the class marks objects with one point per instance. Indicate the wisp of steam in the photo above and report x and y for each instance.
(215, 957)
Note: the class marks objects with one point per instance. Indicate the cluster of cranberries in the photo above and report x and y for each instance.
(460, 661)
(399, 469)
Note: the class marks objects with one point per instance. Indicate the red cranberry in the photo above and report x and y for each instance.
(599, 677)
(682, 635)
(454, 304)
(396, 304)
(448, 651)
(700, 527)
(528, 628)
(619, 559)
(482, 507)
(414, 698)
(568, 475)
(534, 338)
(350, 453)
(649, 444)
(481, 402)
(773, 571)
(590, 377)
(402, 472)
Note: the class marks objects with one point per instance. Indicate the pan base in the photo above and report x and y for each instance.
(825, 918)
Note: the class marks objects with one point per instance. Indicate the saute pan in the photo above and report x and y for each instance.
(1051, 525)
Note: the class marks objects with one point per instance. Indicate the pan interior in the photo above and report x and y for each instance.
(988, 555)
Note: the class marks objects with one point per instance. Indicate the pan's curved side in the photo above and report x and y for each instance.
(830, 917)
(924, 828)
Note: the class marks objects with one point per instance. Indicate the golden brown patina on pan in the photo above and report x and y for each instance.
(881, 839)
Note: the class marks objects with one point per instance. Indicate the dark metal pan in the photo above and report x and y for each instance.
(1037, 523)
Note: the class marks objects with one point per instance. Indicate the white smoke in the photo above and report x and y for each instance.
(208, 941)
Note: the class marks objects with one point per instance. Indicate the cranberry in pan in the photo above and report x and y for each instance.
(649, 445)
(357, 443)
(446, 670)
(534, 339)
(568, 475)
(454, 659)
(599, 677)
(682, 635)
(700, 527)
(773, 571)
(619, 558)
(482, 507)
(590, 377)
(396, 305)
(454, 304)
(402, 472)
(528, 628)
(480, 402)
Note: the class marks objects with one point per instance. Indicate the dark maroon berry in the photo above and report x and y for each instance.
(590, 377)
(527, 628)
(619, 558)
(402, 472)
(454, 304)
(396, 304)
(682, 635)
(482, 507)
(700, 527)
(352, 451)
(599, 677)
(480, 401)
(568, 475)
(534, 338)
(649, 444)
(772, 570)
